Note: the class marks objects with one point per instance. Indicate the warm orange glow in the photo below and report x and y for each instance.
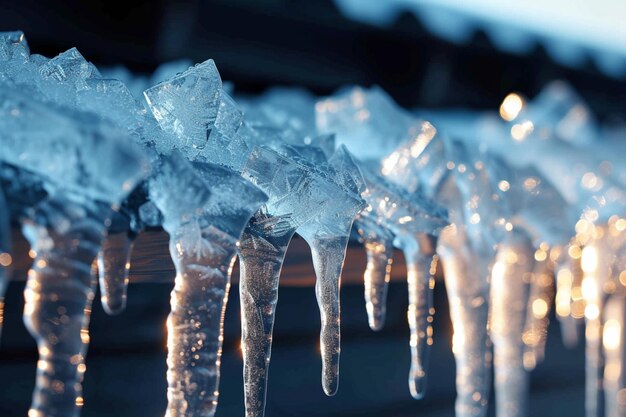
(511, 106)
(5, 259)
(611, 334)
(540, 308)
(520, 131)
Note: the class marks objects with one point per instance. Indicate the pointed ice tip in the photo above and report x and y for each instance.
(13, 44)
(417, 386)
(330, 385)
(330, 389)
(377, 323)
(113, 307)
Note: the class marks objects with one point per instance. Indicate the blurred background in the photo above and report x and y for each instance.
(426, 54)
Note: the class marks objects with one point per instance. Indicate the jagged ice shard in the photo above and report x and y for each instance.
(201, 119)
(359, 116)
(65, 229)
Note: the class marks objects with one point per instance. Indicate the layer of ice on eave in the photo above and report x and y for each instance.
(569, 31)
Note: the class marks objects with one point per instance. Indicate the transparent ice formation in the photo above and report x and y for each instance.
(540, 301)
(367, 121)
(467, 262)
(66, 236)
(378, 244)
(282, 119)
(327, 234)
(59, 143)
(421, 263)
(87, 167)
(468, 292)
(358, 116)
(298, 195)
(508, 296)
(390, 212)
(532, 203)
(458, 177)
(558, 111)
(204, 223)
(13, 45)
(201, 119)
(137, 84)
(411, 222)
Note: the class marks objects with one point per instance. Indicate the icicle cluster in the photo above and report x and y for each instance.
(522, 214)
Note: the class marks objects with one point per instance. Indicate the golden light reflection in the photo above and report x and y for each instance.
(564, 281)
(611, 334)
(520, 131)
(574, 252)
(592, 312)
(540, 308)
(5, 259)
(541, 255)
(589, 259)
(511, 106)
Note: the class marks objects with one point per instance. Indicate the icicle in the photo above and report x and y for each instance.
(328, 256)
(5, 253)
(379, 250)
(261, 255)
(203, 258)
(466, 284)
(421, 264)
(113, 268)
(509, 295)
(296, 195)
(328, 236)
(613, 338)
(538, 311)
(594, 273)
(203, 244)
(66, 237)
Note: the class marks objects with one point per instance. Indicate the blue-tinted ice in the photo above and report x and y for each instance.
(204, 224)
(298, 195)
(88, 167)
